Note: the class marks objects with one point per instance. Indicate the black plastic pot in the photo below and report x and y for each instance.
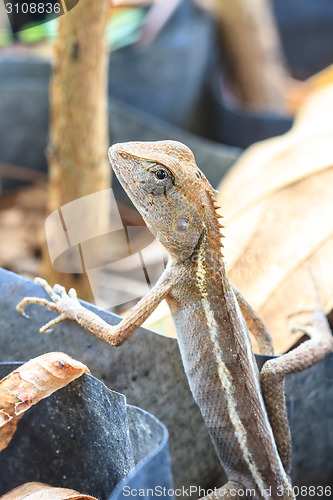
(149, 371)
(309, 396)
(305, 28)
(172, 69)
(306, 33)
(236, 126)
(87, 438)
(178, 63)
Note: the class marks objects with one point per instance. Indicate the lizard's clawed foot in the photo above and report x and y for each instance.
(65, 304)
(306, 329)
(318, 323)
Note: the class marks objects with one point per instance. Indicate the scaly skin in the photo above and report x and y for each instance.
(177, 204)
(180, 211)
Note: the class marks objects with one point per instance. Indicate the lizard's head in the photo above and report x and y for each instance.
(173, 196)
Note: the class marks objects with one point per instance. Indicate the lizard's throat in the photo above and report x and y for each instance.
(207, 255)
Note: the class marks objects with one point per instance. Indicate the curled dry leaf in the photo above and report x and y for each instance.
(39, 491)
(278, 208)
(35, 380)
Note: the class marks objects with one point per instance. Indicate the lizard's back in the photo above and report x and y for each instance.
(223, 377)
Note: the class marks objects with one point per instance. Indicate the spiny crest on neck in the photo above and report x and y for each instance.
(209, 207)
(179, 156)
(212, 217)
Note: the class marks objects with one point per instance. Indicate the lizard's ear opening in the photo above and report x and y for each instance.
(182, 225)
(179, 235)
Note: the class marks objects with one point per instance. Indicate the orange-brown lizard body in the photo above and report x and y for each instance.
(250, 434)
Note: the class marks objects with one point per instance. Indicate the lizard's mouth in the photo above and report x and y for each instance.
(116, 161)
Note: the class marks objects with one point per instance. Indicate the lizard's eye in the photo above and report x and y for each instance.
(161, 174)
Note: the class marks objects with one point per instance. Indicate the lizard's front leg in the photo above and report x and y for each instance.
(273, 375)
(69, 307)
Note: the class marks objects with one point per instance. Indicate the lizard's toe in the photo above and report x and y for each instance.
(60, 289)
(40, 281)
(48, 327)
(306, 329)
(20, 308)
(49, 290)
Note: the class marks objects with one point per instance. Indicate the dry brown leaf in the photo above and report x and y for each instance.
(39, 491)
(297, 91)
(278, 208)
(35, 380)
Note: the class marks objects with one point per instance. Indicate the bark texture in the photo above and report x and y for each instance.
(252, 40)
(78, 144)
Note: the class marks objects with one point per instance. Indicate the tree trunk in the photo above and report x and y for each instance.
(77, 152)
(252, 41)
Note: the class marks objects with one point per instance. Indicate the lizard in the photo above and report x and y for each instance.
(245, 413)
